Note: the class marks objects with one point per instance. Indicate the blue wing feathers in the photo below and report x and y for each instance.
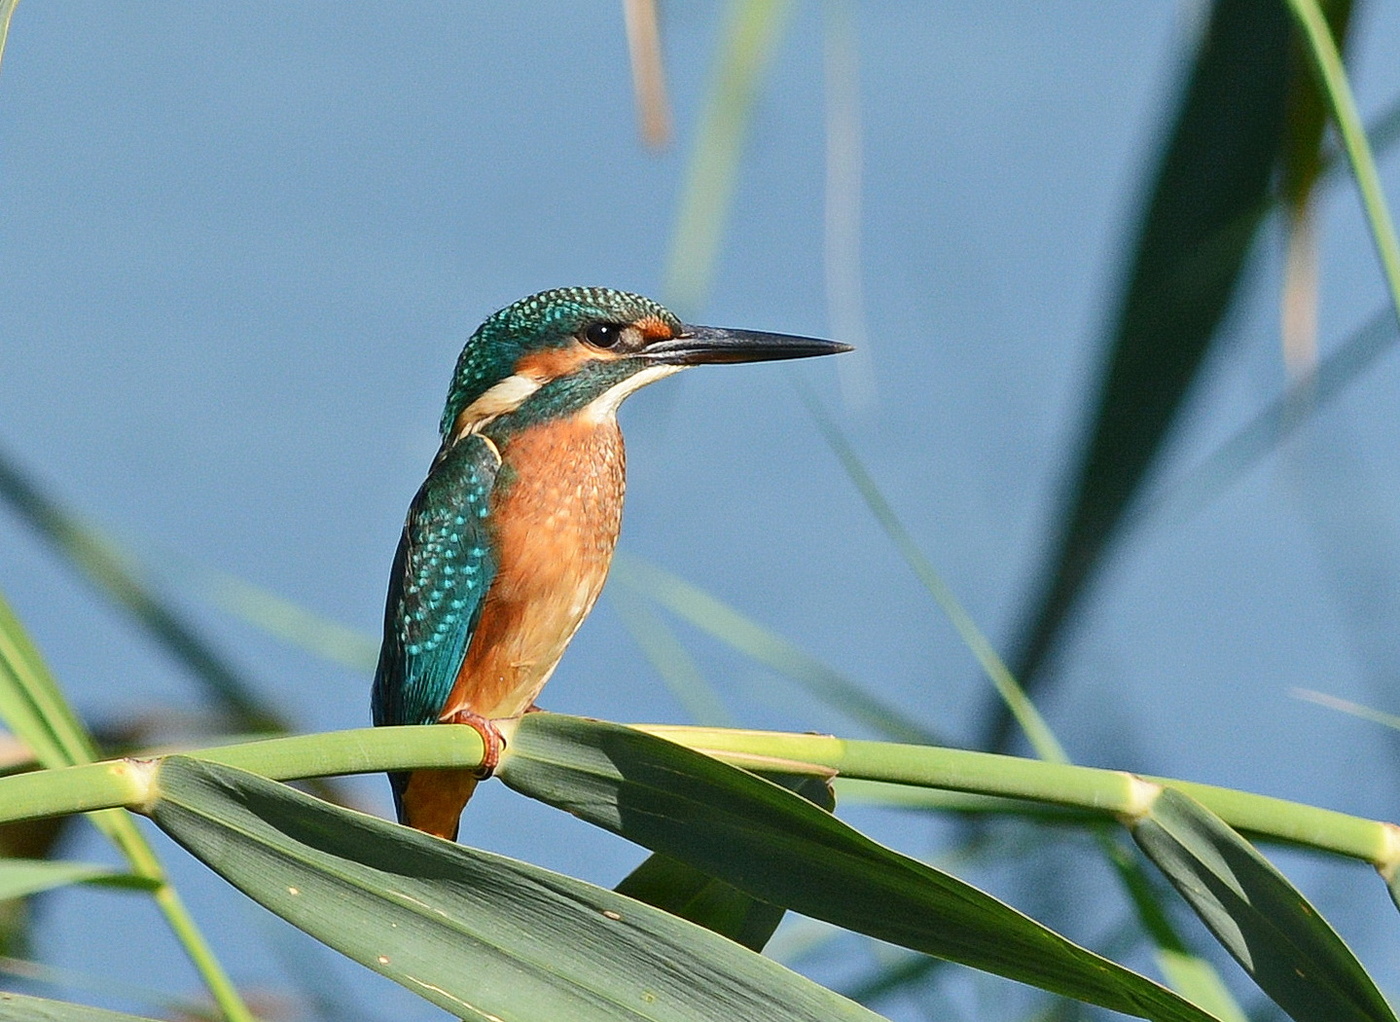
(441, 572)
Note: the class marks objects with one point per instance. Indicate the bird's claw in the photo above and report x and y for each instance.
(492, 741)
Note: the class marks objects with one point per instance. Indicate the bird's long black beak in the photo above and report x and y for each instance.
(701, 345)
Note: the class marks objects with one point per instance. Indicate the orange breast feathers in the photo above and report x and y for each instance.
(555, 517)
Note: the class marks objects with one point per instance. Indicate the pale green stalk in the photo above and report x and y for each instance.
(371, 750)
(1111, 792)
(1328, 63)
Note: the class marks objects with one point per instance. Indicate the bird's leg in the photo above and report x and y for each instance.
(492, 741)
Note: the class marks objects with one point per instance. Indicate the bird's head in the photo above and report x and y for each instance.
(584, 349)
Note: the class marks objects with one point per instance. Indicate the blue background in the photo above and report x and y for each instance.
(241, 246)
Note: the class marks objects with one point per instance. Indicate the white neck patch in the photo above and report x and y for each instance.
(604, 406)
(503, 397)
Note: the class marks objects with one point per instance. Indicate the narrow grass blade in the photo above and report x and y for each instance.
(70, 980)
(1260, 918)
(1187, 494)
(685, 891)
(111, 570)
(22, 1008)
(19, 878)
(752, 31)
(1327, 62)
(702, 610)
(1210, 191)
(1187, 973)
(782, 849)
(33, 706)
(7, 11)
(670, 659)
(483, 936)
(1032, 724)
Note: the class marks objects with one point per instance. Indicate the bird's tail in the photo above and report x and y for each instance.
(432, 800)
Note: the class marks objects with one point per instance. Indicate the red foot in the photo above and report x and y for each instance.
(491, 740)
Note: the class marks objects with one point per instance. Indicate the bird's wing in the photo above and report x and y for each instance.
(442, 570)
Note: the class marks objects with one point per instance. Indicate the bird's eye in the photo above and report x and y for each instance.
(603, 335)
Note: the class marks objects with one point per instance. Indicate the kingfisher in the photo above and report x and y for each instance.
(509, 539)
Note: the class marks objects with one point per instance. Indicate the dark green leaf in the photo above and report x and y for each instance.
(1210, 191)
(683, 890)
(1262, 919)
(20, 878)
(478, 934)
(782, 849)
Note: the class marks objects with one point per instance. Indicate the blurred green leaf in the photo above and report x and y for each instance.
(1260, 918)
(113, 572)
(35, 709)
(685, 891)
(669, 658)
(782, 849)
(1210, 191)
(7, 11)
(1188, 974)
(752, 31)
(21, 1008)
(20, 878)
(478, 934)
(692, 604)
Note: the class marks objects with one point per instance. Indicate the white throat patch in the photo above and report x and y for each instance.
(604, 406)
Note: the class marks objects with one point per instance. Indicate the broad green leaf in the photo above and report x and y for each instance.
(478, 934)
(20, 1008)
(1260, 918)
(20, 878)
(682, 890)
(782, 849)
(1209, 193)
(685, 891)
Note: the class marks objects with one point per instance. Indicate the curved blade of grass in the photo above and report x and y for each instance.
(1033, 725)
(478, 934)
(1260, 918)
(752, 31)
(34, 708)
(782, 849)
(670, 659)
(1189, 493)
(685, 891)
(22, 1008)
(69, 980)
(19, 878)
(1327, 62)
(111, 570)
(1210, 192)
(265, 610)
(692, 604)
(1188, 974)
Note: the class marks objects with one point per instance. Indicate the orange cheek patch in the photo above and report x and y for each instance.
(654, 328)
(552, 363)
